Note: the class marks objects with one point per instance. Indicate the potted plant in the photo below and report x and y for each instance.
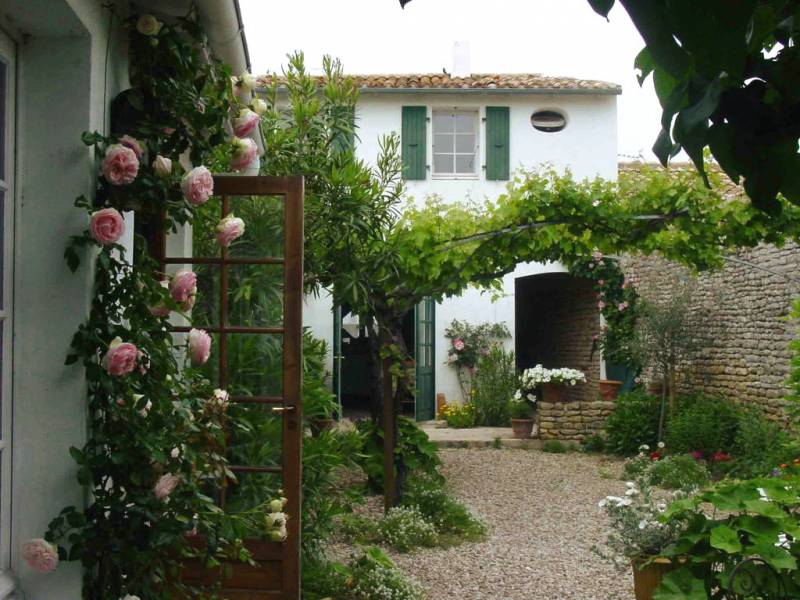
(522, 409)
(639, 536)
(609, 389)
(551, 381)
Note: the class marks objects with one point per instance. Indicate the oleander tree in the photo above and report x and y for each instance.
(727, 75)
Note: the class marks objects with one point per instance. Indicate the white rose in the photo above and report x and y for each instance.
(259, 106)
(248, 81)
(176, 452)
(148, 25)
(162, 166)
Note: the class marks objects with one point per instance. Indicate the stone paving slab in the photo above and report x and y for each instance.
(475, 437)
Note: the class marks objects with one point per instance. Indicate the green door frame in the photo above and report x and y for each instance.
(425, 346)
(337, 356)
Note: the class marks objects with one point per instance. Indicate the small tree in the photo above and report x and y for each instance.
(665, 337)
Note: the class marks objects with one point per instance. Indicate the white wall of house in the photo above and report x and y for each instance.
(587, 147)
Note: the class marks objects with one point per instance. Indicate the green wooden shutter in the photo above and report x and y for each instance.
(425, 352)
(414, 151)
(497, 143)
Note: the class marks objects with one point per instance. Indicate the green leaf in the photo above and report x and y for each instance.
(602, 7)
(777, 558)
(681, 585)
(726, 539)
(644, 63)
(766, 509)
(664, 149)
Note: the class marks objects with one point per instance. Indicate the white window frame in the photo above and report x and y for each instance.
(474, 112)
(7, 56)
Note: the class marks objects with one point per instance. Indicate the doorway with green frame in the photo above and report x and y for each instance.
(351, 362)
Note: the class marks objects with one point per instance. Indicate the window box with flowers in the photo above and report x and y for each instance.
(551, 382)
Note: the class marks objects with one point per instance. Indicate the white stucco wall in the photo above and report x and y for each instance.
(61, 94)
(587, 146)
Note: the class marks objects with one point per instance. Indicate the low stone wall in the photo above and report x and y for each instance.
(572, 421)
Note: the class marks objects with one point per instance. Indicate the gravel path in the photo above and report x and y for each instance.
(543, 519)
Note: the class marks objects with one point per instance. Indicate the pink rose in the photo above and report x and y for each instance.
(199, 346)
(597, 255)
(183, 288)
(458, 344)
(165, 485)
(133, 144)
(244, 153)
(162, 166)
(245, 122)
(221, 397)
(106, 226)
(229, 229)
(197, 185)
(120, 358)
(601, 305)
(601, 282)
(622, 306)
(41, 555)
(120, 165)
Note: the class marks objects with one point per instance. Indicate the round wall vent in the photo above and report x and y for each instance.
(548, 121)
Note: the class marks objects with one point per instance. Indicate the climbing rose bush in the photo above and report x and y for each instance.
(41, 555)
(229, 229)
(107, 226)
(120, 165)
(198, 185)
(199, 346)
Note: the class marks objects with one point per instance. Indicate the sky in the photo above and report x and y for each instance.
(552, 37)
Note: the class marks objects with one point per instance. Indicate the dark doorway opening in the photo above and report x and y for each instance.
(557, 320)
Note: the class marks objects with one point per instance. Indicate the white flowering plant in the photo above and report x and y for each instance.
(523, 405)
(536, 376)
(637, 528)
(404, 528)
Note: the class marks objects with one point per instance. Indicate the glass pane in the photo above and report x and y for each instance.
(263, 226)
(255, 364)
(258, 438)
(255, 295)
(442, 143)
(465, 123)
(465, 163)
(3, 100)
(465, 143)
(250, 490)
(442, 122)
(198, 239)
(442, 163)
(2, 247)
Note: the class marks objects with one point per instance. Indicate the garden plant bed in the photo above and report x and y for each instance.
(543, 518)
(476, 437)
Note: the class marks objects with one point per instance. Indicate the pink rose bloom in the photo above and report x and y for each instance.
(106, 226)
(229, 229)
(133, 144)
(245, 122)
(197, 185)
(221, 397)
(597, 255)
(120, 165)
(244, 153)
(183, 288)
(458, 344)
(165, 485)
(199, 346)
(622, 306)
(162, 166)
(41, 555)
(601, 305)
(601, 282)
(120, 358)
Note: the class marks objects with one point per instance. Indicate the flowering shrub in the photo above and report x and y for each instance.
(637, 528)
(536, 376)
(156, 443)
(523, 405)
(404, 528)
(453, 521)
(468, 344)
(374, 577)
(459, 416)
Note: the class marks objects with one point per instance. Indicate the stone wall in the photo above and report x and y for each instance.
(744, 330)
(572, 421)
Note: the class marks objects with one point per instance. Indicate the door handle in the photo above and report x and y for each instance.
(280, 409)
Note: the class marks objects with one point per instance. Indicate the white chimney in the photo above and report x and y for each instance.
(461, 56)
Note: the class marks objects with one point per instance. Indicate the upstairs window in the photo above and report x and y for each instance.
(455, 144)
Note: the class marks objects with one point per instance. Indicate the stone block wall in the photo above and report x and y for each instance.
(572, 421)
(745, 332)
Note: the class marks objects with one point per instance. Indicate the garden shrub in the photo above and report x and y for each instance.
(459, 416)
(419, 454)
(679, 472)
(703, 424)
(595, 443)
(632, 423)
(555, 447)
(494, 385)
(358, 529)
(760, 445)
(404, 528)
(454, 522)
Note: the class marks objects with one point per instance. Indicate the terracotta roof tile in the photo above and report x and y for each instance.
(727, 188)
(478, 81)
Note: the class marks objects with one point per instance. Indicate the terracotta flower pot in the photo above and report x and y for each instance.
(552, 392)
(522, 428)
(646, 579)
(609, 389)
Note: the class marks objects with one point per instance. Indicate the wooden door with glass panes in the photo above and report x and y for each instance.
(7, 147)
(249, 299)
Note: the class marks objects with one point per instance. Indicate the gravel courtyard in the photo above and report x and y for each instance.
(543, 519)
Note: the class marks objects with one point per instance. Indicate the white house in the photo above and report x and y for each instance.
(462, 137)
(61, 62)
